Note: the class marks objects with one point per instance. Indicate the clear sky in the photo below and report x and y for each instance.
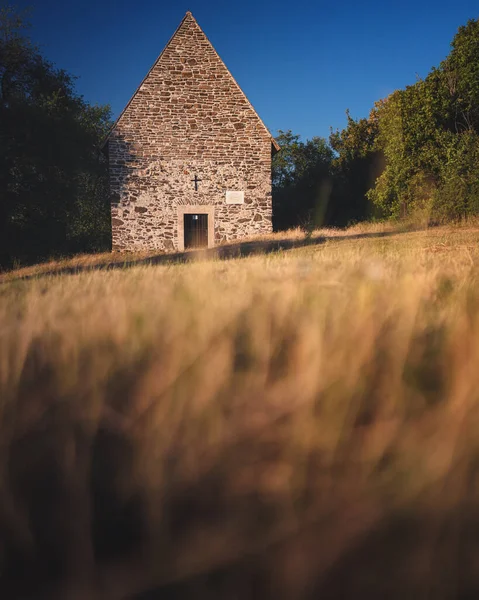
(301, 64)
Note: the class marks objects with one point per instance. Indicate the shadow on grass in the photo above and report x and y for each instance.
(226, 252)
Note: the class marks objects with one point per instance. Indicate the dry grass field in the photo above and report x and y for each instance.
(291, 418)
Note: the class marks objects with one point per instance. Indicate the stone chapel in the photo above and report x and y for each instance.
(189, 158)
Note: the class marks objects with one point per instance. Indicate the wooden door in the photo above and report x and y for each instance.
(195, 230)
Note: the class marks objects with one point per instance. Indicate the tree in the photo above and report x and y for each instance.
(357, 164)
(461, 74)
(301, 181)
(51, 170)
(430, 139)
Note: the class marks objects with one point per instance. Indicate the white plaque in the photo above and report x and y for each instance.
(233, 197)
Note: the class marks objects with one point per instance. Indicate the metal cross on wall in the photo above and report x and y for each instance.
(196, 179)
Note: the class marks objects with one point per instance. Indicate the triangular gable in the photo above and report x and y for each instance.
(189, 18)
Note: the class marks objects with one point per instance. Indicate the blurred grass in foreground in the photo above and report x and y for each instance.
(301, 424)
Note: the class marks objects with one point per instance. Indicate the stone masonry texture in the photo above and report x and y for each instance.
(188, 118)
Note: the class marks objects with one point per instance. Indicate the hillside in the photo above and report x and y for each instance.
(290, 417)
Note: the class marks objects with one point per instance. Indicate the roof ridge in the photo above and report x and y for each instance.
(187, 15)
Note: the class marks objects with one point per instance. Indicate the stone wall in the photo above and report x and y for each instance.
(188, 117)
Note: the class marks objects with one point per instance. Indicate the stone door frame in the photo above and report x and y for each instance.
(192, 209)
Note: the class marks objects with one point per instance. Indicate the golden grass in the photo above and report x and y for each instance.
(108, 259)
(296, 424)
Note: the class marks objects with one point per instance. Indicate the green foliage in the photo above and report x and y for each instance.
(458, 195)
(429, 136)
(301, 181)
(355, 168)
(319, 183)
(461, 71)
(52, 175)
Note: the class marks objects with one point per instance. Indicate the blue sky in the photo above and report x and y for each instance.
(301, 64)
